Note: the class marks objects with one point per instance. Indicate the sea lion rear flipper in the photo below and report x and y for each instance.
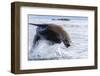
(39, 25)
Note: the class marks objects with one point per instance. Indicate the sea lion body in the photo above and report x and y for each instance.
(51, 32)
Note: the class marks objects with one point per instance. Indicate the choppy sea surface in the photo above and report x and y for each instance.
(78, 32)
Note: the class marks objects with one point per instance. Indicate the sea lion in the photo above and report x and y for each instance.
(52, 32)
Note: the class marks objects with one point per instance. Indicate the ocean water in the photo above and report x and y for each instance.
(77, 29)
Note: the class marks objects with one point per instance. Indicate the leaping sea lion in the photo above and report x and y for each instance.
(52, 33)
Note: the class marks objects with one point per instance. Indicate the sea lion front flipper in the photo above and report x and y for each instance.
(36, 38)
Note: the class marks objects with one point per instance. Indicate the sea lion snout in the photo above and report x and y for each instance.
(66, 43)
